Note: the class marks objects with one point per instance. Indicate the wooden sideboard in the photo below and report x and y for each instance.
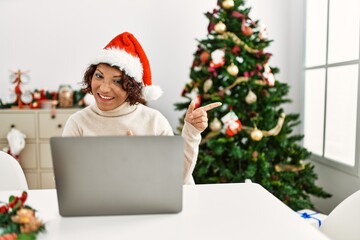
(38, 126)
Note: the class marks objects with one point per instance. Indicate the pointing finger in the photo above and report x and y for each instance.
(211, 106)
(191, 107)
(129, 133)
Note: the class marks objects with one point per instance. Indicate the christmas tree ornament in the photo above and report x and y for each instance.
(239, 59)
(224, 107)
(268, 75)
(256, 135)
(236, 50)
(250, 97)
(197, 68)
(270, 79)
(231, 123)
(228, 4)
(195, 96)
(217, 58)
(204, 57)
(197, 100)
(207, 85)
(247, 31)
(220, 27)
(232, 69)
(215, 125)
(255, 155)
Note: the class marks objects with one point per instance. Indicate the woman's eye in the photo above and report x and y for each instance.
(118, 81)
(98, 75)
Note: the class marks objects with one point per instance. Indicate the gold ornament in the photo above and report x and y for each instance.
(215, 125)
(228, 4)
(251, 97)
(256, 135)
(207, 85)
(232, 69)
(220, 27)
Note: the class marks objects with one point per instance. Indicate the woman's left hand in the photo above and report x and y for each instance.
(198, 117)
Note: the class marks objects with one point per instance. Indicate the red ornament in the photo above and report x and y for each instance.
(197, 101)
(247, 31)
(195, 63)
(231, 123)
(204, 57)
(235, 50)
(217, 65)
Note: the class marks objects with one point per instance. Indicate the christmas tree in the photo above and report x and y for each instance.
(250, 136)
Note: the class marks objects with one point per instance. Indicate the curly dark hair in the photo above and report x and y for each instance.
(132, 87)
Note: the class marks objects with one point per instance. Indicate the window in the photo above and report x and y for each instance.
(331, 98)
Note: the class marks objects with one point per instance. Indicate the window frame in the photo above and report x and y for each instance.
(352, 170)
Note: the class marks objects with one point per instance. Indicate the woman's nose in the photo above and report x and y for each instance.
(105, 86)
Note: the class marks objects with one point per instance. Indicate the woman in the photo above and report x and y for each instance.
(120, 80)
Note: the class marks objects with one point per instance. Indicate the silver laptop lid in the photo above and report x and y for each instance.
(114, 175)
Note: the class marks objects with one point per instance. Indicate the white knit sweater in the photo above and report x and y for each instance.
(141, 120)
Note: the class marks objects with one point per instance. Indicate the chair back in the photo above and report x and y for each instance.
(343, 222)
(12, 176)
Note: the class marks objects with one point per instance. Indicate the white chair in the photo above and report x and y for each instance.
(12, 176)
(343, 222)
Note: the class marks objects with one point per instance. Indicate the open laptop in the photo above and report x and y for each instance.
(118, 175)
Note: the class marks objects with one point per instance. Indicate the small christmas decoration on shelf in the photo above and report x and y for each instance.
(19, 221)
(44, 99)
(66, 96)
(20, 96)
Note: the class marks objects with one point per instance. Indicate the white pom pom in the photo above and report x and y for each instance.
(151, 92)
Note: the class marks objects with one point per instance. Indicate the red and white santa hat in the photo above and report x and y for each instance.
(125, 52)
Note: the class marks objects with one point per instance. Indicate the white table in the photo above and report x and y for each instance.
(213, 211)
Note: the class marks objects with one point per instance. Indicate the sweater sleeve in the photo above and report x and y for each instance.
(192, 140)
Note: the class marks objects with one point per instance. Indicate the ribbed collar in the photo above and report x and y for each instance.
(122, 110)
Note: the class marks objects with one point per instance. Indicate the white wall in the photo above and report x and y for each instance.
(55, 39)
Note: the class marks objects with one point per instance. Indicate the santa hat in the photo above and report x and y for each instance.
(125, 52)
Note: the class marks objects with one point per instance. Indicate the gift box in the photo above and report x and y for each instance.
(314, 218)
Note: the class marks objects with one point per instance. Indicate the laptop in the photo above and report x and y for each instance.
(118, 175)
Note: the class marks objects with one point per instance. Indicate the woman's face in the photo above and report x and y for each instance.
(106, 87)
